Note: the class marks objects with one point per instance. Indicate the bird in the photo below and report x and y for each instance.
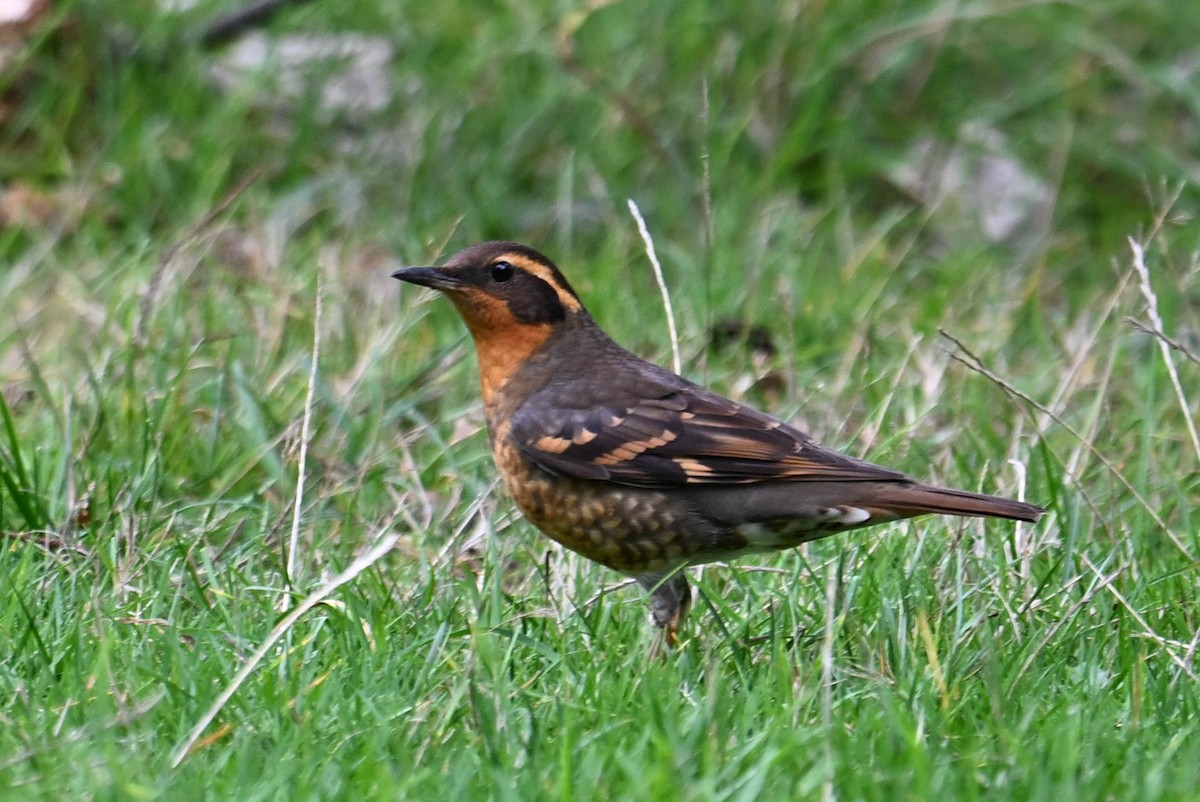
(637, 468)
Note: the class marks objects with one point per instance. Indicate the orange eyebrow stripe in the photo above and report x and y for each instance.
(569, 301)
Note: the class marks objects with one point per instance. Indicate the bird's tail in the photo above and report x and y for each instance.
(905, 501)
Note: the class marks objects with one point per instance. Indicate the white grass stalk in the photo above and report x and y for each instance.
(382, 546)
(305, 428)
(662, 284)
(827, 791)
(1147, 631)
(1139, 264)
(1024, 544)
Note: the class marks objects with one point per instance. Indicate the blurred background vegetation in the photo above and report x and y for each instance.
(828, 184)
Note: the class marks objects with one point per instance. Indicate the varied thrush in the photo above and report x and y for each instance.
(637, 468)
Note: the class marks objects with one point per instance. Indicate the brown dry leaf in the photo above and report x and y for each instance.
(24, 206)
(464, 428)
(17, 18)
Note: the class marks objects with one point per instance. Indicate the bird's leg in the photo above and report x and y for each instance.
(670, 599)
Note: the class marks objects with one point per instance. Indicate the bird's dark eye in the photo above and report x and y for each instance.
(502, 271)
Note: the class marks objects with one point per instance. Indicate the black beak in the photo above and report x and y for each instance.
(427, 277)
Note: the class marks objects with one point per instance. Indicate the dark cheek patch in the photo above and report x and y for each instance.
(535, 302)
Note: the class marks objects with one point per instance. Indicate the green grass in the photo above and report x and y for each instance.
(155, 351)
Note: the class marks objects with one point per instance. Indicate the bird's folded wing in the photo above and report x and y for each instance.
(680, 435)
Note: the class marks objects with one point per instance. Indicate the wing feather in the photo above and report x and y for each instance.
(671, 432)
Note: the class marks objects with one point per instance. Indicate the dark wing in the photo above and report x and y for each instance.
(671, 433)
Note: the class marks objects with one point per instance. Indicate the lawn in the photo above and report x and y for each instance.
(252, 545)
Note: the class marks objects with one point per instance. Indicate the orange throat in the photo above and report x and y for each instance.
(501, 357)
(502, 344)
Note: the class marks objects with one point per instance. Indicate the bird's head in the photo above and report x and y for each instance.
(511, 297)
(499, 287)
